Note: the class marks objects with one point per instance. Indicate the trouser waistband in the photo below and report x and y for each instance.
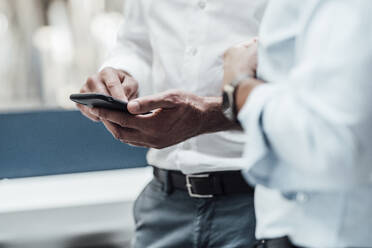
(206, 185)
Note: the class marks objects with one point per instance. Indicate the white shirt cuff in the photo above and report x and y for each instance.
(257, 155)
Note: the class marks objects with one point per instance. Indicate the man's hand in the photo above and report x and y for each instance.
(176, 116)
(109, 81)
(240, 60)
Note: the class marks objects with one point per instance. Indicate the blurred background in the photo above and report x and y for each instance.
(49, 47)
(64, 181)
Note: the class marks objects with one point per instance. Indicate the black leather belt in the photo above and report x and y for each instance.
(205, 185)
(283, 242)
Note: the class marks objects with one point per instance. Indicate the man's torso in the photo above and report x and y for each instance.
(188, 39)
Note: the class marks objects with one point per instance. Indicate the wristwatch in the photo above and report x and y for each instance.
(229, 99)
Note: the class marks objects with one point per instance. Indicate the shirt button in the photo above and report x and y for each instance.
(192, 51)
(202, 4)
(302, 197)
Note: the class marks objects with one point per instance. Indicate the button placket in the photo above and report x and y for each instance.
(191, 51)
(302, 197)
(194, 40)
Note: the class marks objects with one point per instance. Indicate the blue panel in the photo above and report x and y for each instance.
(58, 142)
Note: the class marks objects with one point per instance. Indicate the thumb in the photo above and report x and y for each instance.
(148, 103)
(253, 41)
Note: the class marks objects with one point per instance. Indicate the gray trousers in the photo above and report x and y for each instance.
(177, 220)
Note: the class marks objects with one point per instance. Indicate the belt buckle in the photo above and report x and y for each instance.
(189, 186)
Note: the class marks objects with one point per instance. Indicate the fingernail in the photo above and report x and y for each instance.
(134, 106)
(94, 111)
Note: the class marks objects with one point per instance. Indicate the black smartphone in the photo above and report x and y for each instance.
(100, 101)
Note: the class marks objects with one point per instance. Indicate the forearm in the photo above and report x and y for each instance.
(213, 119)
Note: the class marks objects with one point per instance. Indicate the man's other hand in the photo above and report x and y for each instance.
(112, 82)
(240, 61)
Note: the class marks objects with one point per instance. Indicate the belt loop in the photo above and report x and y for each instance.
(168, 186)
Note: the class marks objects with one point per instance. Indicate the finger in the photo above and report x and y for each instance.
(125, 135)
(112, 128)
(130, 87)
(122, 75)
(94, 84)
(84, 89)
(148, 103)
(113, 83)
(248, 43)
(86, 112)
(119, 118)
(134, 144)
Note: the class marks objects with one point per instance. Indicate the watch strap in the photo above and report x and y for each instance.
(234, 87)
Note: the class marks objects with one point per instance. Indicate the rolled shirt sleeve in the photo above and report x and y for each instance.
(132, 52)
(311, 129)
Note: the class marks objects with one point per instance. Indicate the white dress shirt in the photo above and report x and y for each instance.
(178, 44)
(309, 128)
